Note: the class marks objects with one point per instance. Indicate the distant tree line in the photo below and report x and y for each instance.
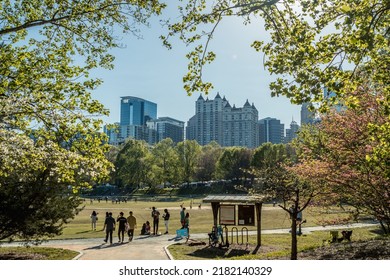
(139, 164)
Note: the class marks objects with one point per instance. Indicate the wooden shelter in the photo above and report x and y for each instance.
(249, 210)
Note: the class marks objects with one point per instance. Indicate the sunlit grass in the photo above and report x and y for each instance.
(272, 246)
(201, 220)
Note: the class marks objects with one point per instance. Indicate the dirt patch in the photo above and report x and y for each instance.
(21, 256)
(359, 250)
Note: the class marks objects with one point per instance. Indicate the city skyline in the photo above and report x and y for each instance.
(207, 97)
(214, 120)
(146, 69)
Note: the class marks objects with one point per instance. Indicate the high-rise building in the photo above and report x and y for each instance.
(206, 125)
(271, 130)
(307, 116)
(291, 132)
(135, 112)
(168, 128)
(328, 95)
(216, 120)
(112, 133)
(240, 126)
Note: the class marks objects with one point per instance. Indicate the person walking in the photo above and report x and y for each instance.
(166, 217)
(182, 215)
(104, 226)
(109, 225)
(94, 219)
(156, 217)
(122, 221)
(132, 224)
(187, 224)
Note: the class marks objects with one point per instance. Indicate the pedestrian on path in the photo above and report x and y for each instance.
(156, 217)
(94, 219)
(182, 215)
(132, 224)
(166, 217)
(187, 224)
(122, 221)
(109, 225)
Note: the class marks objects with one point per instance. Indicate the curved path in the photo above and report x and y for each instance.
(151, 247)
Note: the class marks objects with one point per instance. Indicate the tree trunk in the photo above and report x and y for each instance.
(386, 230)
(294, 214)
(294, 243)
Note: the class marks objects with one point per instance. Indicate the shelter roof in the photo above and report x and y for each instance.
(234, 199)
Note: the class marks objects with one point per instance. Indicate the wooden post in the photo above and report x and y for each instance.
(258, 216)
(215, 207)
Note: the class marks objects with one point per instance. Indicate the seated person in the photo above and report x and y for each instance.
(145, 228)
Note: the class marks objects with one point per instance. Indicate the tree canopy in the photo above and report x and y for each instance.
(314, 44)
(345, 161)
(50, 139)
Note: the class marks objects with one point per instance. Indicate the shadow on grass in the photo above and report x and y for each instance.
(209, 252)
(85, 231)
(378, 231)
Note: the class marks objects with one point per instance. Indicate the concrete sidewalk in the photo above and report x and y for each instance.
(154, 247)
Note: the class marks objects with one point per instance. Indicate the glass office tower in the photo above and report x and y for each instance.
(135, 112)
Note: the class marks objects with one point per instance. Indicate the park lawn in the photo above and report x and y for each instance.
(273, 246)
(201, 220)
(80, 227)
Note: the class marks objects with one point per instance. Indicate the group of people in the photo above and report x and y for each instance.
(126, 225)
(155, 215)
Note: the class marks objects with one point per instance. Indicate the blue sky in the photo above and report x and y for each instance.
(146, 69)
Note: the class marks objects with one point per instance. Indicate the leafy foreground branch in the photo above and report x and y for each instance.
(50, 140)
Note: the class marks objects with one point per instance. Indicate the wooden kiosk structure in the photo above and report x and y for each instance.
(242, 210)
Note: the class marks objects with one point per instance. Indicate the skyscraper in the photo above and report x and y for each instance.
(112, 133)
(329, 95)
(207, 121)
(291, 132)
(216, 120)
(135, 112)
(307, 116)
(271, 130)
(168, 128)
(240, 126)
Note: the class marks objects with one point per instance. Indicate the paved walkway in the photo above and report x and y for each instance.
(151, 247)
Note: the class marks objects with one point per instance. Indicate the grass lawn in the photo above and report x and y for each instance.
(201, 220)
(275, 246)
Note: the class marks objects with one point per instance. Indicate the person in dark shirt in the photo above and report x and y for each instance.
(156, 218)
(109, 225)
(122, 221)
(166, 217)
